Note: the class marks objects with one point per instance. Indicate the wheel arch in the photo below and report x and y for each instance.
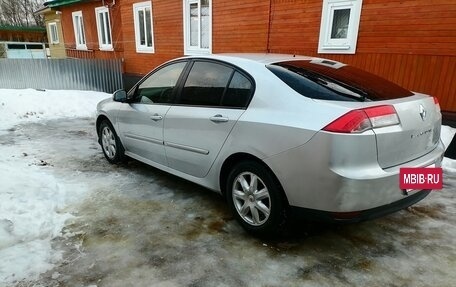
(236, 158)
(100, 119)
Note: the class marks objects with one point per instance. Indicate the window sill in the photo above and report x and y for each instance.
(336, 50)
(196, 52)
(82, 47)
(141, 51)
(107, 49)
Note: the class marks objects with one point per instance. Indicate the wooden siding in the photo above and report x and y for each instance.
(240, 26)
(168, 35)
(412, 43)
(57, 51)
(91, 34)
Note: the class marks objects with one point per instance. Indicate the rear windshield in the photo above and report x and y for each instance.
(328, 80)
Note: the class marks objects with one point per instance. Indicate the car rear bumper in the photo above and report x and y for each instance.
(352, 217)
(344, 176)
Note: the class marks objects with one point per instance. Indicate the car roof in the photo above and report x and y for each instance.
(261, 58)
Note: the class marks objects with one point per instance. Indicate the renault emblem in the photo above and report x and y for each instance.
(422, 113)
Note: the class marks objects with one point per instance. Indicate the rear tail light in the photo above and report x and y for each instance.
(358, 121)
(437, 104)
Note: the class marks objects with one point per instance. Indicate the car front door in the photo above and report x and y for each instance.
(140, 122)
(212, 99)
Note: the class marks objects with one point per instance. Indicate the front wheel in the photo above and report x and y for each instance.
(110, 143)
(255, 198)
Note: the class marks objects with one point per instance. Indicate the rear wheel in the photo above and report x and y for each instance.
(110, 143)
(255, 198)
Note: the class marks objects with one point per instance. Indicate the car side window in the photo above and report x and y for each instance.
(239, 92)
(158, 88)
(206, 84)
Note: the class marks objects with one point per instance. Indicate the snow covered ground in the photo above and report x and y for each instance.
(31, 198)
(67, 218)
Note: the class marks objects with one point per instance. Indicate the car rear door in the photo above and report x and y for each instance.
(140, 122)
(212, 99)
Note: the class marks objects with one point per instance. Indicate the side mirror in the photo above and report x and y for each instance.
(119, 96)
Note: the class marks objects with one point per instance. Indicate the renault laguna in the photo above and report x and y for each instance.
(277, 135)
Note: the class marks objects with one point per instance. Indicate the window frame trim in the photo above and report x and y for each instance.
(51, 38)
(189, 50)
(327, 45)
(101, 46)
(79, 46)
(142, 48)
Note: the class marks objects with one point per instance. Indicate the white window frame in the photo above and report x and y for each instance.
(103, 10)
(326, 44)
(136, 8)
(196, 50)
(52, 39)
(80, 43)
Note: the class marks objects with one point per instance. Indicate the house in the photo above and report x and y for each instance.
(412, 43)
(21, 42)
(10, 33)
(52, 21)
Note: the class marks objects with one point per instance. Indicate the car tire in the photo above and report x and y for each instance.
(256, 198)
(113, 149)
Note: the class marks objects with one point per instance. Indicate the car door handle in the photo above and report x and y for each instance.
(156, 117)
(218, 119)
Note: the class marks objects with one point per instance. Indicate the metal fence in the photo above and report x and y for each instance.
(61, 74)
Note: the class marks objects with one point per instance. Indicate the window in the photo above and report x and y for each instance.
(158, 87)
(143, 27)
(212, 84)
(328, 80)
(238, 93)
(53, 34)
(79, 33)
(205, 84)
(197, 26)
(103, 28)
(339, 26)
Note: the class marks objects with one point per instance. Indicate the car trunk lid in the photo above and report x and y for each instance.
(417, 134)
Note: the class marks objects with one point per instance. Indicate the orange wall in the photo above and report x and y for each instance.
(23, 36)
(412, 43)
(90, 27)
(168, 35)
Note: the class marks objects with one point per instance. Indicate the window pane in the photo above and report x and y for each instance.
(204, 24)
(78, 29)
(102, 28)
(81, 22)
(53, 32)
(142, 35)
(159, 86)
(239, 92)
(194, 24)
(108, 29)
(148, 28)
(340, 23)
(205, 84)
(343, 84)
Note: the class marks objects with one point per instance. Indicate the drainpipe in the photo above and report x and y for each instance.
(269, 26)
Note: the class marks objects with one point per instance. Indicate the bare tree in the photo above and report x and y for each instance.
(20, 12)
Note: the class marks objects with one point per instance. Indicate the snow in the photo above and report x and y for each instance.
(20, 106)
(37, 191)
(31, 198)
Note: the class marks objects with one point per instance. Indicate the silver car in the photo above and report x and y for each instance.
(277, 134)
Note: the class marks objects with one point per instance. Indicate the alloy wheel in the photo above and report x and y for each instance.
(251, 198)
